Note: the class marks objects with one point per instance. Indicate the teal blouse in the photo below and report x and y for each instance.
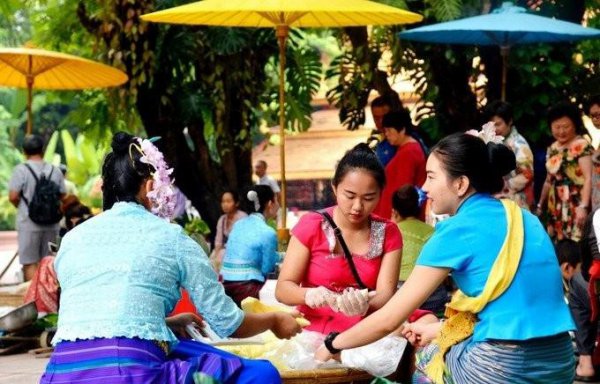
(468, 243)
(121, 272)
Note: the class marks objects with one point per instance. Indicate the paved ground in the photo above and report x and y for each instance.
(21, 369)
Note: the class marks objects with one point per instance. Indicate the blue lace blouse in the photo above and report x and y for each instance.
(121, 272)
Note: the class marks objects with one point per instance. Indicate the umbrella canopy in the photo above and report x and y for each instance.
(282, 15)
(506, 26)
(291, 13)
(40, 69)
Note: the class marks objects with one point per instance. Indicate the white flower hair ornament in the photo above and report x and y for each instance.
(162, 195)
(487, 133)
(253, 197)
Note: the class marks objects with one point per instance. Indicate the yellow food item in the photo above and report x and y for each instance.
(252, 305)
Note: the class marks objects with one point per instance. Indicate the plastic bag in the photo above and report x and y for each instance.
(380, 358)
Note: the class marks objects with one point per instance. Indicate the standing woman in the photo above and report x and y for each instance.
(567, 191)
(251, 252)
(504, 265)
(316, 274)
(518, 185)
(120, 274)
(230, 205)
(408, 164)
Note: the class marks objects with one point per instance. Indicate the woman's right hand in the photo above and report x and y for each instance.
(320, 297)
(285, 325)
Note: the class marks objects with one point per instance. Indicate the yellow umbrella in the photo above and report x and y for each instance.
(284, 14)
(37, 68)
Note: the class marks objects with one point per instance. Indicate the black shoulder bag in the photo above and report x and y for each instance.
(347, 254)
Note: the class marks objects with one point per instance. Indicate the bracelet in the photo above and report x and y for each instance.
(329, 343)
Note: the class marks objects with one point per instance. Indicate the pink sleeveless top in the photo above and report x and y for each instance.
(332, 271)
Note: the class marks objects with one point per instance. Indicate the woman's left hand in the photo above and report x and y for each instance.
(178, 323)
(580, 216)
(324, 355)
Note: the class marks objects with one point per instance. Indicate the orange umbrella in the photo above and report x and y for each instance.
(37, 68)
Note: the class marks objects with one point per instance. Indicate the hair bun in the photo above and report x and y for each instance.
(502, 158)
(362, 147)
(120, 142)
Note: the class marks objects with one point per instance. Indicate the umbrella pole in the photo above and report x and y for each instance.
(29, 91)
(282, 35)
(504, 52)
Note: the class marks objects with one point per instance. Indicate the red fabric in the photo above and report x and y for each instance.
(44, 287)
(333, 272)
(184, 305)
(417, 314)
(594, 278)
(406, 167)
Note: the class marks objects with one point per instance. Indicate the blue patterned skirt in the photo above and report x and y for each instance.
(547, 360)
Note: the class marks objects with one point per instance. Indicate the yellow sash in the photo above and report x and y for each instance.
(462, 309)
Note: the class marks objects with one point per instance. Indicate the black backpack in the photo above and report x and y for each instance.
(44, 207)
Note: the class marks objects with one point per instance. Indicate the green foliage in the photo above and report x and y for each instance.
(9, 158)
(444, 10)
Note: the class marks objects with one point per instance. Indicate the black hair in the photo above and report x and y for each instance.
(234, 195)
(567, 251)
(593, 100)
(389, 99)
(264, 193)
(76, 211)
(483, 164)
(122, 172)
(406, 201)
(569, 110)
(33, 145)
(499, 108)
(399, 120)
(360, 157)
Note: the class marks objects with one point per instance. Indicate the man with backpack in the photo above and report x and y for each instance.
(36, 189)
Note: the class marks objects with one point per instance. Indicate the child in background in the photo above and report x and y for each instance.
(577, 295)
(406, 208)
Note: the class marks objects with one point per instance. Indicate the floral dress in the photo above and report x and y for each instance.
(518, 185)
(567, 181)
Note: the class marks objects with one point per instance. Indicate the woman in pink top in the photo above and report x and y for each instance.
(316, 276)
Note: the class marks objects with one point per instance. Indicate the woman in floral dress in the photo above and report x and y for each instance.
(567, 189)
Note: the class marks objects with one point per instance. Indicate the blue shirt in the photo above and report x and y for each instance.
(469, 242)
(385, 151)
(121, 273)
(251, 251)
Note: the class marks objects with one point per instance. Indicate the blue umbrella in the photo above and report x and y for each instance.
(505, 27)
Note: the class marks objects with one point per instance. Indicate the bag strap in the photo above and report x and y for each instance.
(36, 181)
(347, 254)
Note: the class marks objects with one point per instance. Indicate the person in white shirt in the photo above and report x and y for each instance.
(260, 170)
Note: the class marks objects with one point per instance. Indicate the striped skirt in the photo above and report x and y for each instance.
(547, 360)
(133, 361)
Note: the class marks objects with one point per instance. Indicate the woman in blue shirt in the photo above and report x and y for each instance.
(509, 322)
(251, 252)
(121, 273)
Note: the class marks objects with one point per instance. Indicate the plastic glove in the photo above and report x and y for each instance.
(353, 302)
(319, 297)
(592, 290)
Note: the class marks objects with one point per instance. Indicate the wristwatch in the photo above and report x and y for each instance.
(329, 343)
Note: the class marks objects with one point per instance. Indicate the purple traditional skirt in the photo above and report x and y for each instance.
(133, 361)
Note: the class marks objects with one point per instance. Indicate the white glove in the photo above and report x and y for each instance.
(320, 297)
(353, 302)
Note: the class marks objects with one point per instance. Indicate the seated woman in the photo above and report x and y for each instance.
(120, 273)
(317, 276)
(230, 205)
(251, 252)
(406, 209)
(503, 262)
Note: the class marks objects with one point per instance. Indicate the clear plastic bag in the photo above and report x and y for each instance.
(380, 358)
